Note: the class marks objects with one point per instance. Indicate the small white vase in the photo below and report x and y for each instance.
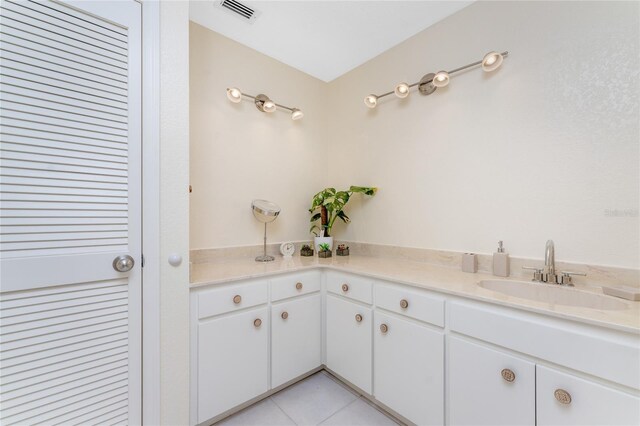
(322, 240)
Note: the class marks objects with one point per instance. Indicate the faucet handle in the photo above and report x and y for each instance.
(537, 272)
(567, 277)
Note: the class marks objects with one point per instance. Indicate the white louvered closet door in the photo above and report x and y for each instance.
(70, 203)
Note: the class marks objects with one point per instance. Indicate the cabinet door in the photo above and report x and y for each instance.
(482, 390)
(349, 341)
(232, 361)
(296, 338)
(564, 399)
(409, 369)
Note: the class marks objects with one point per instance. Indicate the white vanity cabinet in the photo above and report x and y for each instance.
(233, 361)
(563, 399)
(296, 337)
(480, 393)
(348, 340)
(408, 368)
(431, 358)
(489, 387)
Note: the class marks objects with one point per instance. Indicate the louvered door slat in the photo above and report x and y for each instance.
(21, 104)
(61, 17)
(58, 37)
(11, 223)
(43, 145)
(67, 84)
(41, 123)
(70, 202)
(84, 360)
(20, 388)
(47, 26)
(113, 414)
(38, 189)
(27, 87)
(22, 46)
(62, 67)
(46, 413)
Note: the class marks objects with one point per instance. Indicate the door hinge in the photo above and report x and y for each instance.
(142, 261)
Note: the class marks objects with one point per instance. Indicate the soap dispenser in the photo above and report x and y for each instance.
(501, 262)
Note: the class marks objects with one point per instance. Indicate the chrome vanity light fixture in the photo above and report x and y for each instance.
(263, 103)
(430, 82)
(266, 212)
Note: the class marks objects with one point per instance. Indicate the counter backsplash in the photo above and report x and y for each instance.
(596, 275)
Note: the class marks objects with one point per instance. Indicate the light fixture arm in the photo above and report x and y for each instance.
(254, 98)
(430, 80)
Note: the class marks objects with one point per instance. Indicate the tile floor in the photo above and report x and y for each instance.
(317, 400)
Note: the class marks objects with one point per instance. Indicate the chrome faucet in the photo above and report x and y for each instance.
(550, 262)
(548, 273)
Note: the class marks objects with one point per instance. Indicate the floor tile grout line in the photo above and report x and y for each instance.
(282, 409)
(336, 413)
(379, 409)
(341, 383)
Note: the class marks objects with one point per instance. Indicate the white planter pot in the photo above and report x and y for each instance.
(322, 240)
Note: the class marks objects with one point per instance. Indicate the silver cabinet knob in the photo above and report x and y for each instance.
(562, 396)
(508, 375)
(123, 263)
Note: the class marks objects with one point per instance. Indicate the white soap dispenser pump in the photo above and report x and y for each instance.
(500, 262)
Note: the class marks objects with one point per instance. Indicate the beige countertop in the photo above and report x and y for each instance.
(419, 274)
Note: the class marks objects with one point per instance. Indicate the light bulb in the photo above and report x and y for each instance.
(441, 79)
(296, 114)
(234, 94)
(371, 101)
(491, 61)
(402, 90)
(269, 106)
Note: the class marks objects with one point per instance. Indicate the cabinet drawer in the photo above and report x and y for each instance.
(589, 404)
(294, 285)
(351, 286)
(231, 298)
(412, 303)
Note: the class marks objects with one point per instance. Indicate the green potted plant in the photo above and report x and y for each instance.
(327, 206)
(324, 250)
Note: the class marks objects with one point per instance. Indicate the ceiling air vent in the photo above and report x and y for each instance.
(240, 10)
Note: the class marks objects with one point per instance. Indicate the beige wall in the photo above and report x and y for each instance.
(540, 149)
(239, 153)
(174, 212)
(543, 148)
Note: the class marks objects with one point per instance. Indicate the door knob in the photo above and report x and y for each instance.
(298, 286)
(345, 287)
(384, 328)
(358, 318)
(284, 315)
(123, 263)
(404, 304)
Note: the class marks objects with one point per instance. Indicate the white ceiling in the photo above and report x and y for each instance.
(324, 38)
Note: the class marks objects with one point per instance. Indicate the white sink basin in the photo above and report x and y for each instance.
(554, 294)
